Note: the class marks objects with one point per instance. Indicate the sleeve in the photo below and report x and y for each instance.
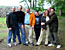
(51, 20)
(33, 22)
(8, 20)
(23, 18)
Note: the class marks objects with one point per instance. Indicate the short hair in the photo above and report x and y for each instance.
(13, 7)
(53, 9)
(28, 8)
(20, 6)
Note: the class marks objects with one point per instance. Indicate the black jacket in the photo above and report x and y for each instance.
(53, 23)
(11, 20)
(43, 19)
(20, 16)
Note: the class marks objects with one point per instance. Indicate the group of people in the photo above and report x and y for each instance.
(45, 23)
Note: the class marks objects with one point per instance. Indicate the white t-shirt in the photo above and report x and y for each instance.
(47, 19)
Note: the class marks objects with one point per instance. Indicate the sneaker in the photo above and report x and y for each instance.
(46, 44)
(51, 45)
(15, 44)
(25, 44)
(9, 45)
(18, 43)
(31, 44)
(36, 45)
(58, 46)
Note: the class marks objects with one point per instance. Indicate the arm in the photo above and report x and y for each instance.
(23, 18)
(52, 19)
(33, 20)
(8, 21)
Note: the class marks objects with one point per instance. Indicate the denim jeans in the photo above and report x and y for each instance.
(23, 37)
(10, 33)
(18, 34)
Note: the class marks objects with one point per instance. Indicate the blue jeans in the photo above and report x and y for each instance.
(10, 33)
(23, 37)
(18, 34)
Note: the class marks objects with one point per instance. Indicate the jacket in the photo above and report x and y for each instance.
(32, 19)
(53, 23)
(11, 20)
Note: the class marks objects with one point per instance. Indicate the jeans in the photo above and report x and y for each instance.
(23, 37)
(18, 34)
(10, 33)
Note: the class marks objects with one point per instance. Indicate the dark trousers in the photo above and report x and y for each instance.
(55, 38)
(37, 32)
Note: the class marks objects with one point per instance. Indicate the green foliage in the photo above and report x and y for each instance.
(40, 2)
(38, 9)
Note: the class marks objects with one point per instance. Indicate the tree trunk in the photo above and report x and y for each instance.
(60, 12)
(33, 3)
(30, 4)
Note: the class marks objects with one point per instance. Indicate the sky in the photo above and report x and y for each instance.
(16, 3)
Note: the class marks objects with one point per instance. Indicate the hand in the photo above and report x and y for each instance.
(10, 28)
(32, 26)
(42, 23)
(42, 29)
(22, 26)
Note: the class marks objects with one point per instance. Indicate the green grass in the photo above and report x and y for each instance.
(3, 27)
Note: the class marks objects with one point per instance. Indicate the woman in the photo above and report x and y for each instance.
(37, 26)
(47, 30)
(44, 29)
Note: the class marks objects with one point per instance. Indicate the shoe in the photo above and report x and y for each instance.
(36, 45)
(19, 44)
(46, 44)
(51, 45)
(31, 44)
(25, 44)
(9, 45)
(15, 44)
(58, 46)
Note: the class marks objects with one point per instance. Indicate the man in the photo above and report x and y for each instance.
(53, 26)
(11, 24)
(20, 17)
(29, 24)
(49, 9)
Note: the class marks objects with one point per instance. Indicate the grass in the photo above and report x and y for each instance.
(3, 27)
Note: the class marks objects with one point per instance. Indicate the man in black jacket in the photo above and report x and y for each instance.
(53, 27)
(20, 18)
(11, 24)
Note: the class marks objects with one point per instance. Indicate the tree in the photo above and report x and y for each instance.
(24, 1)
(58, 4)
(40, 3)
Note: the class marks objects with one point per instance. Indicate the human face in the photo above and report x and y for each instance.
(36, 13)
(52, 11)
(13, 9)
(19, 8)
(49, 9)
(47, 13)
(27, 10)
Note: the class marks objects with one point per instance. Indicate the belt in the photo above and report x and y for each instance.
(27, 24)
